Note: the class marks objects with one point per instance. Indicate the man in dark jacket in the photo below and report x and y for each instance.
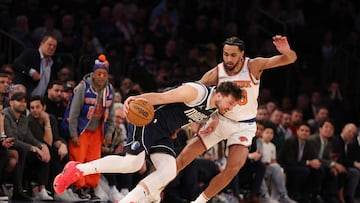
(16, 125)
(35, 68)
(301, 165)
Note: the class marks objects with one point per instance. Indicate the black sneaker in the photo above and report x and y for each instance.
(20, 196)
(93, 197)
(82, 194)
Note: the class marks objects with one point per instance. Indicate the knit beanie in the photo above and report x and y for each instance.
(101, 62)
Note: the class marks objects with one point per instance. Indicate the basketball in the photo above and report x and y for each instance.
(141, 112)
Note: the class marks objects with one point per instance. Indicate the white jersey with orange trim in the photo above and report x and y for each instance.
(246, 108)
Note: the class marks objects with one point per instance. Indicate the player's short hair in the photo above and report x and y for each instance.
(235, 41)
(230, 88)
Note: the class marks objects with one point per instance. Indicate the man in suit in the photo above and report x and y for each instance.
(348, 181)
(34, 68)
(329, 169)
(299, 160)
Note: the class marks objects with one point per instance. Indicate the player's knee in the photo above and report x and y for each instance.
(135, 162)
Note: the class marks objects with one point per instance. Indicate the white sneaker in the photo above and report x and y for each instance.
(115, 195)
(43, 195)
(67, 196)
(286, 199)
(267, 199)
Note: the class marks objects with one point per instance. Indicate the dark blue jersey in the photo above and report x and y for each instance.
(168, 118)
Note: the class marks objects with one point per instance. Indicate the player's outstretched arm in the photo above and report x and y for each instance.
(286, 56)
(183, 93)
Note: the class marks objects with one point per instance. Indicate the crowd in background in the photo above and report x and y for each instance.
(151, 45)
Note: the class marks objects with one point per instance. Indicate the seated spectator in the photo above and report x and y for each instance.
(330, 170)
(7, 162)
(7, 69)
(274, 172)
(44, 127)
(4, 100)
(354, 154)
(262, 114)
(300, 163)
(322, 113)
(54, 102)
(16, 125)
(295, 120)
(348, 181)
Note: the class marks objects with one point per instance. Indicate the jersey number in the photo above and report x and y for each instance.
(244, 99)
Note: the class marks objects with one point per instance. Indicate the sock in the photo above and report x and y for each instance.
(201, 199)
(136, 195)
(124, 164)
(124, 191)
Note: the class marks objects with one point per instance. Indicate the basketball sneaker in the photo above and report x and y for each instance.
(69, 175)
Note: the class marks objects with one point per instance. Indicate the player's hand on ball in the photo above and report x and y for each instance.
(126, 104)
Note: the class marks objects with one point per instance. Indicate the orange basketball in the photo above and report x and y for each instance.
(141, 112)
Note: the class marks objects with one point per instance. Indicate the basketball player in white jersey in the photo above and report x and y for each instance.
(237, 126)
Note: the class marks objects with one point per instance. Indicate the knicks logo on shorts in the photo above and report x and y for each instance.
(243, 139)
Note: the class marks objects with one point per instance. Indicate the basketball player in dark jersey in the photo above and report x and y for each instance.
(190, 102)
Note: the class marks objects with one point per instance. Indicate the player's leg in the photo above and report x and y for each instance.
(193, 149)
(152, 185)
(236, 159)
(208, 135)
(108, 164)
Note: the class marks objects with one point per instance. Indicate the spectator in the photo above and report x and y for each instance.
(295, 120)
(68, 91)
(4, 100)
(44, 127)
(274, 172)
(354, 153)
(285, 123)
(89, 111)
(7, 162)
(262, 114)
(54, 103)
(8, 69)
(35, 68)
(330, 169)
(16, 125)
(300, 163)
(322, 114)
(279, 132)
(349, 181)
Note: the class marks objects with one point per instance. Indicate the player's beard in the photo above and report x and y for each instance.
(218, 107)
(232, 67)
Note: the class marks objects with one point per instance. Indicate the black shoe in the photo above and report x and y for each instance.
(20, 196)
(82, 194)
(93, 197)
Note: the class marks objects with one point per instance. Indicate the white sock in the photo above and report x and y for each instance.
(201, 199)
(113, 164)
(124, 191)
(136, 195)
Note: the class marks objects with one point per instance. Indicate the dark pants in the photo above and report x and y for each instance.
(56, 166)
(19, 170)
(303, 181)
(252, 174)
(3, 162)
(36, 170)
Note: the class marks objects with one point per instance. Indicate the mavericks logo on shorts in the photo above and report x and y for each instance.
(135, 145)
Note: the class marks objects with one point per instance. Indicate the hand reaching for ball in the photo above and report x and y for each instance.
(138, 111)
